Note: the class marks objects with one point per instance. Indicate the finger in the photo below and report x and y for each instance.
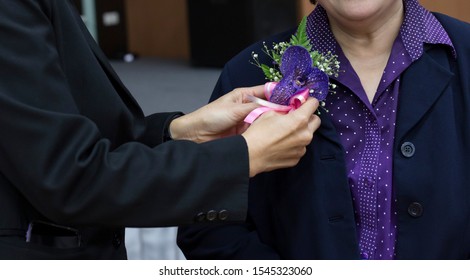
(238, 95)
(308, 108)
(245, 108)
(314, 123)
(257, 91)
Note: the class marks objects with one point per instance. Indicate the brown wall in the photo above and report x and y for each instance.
(456, 8)
(160, 27)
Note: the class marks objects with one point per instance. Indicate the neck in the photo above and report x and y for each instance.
(367, 43)
(371, 37)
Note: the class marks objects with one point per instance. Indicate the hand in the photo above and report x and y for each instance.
(220, 118)
(279, 141)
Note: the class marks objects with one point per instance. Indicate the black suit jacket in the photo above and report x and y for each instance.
(306, 212)
(77, 151)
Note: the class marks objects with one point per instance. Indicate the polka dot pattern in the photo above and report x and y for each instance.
(421, 27)
(367, 129)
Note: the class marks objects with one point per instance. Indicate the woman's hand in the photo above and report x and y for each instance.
(220, 118)
(279, 140)
(274, 140)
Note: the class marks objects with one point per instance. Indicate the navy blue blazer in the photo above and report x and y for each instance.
(306, 212)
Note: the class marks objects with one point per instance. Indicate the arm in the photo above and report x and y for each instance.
(236, 240)
(274, 141)
(80, 166)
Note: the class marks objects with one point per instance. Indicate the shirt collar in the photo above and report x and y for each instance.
(419, 27)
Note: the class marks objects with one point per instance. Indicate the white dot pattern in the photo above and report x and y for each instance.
(367, 130)
(420, 27)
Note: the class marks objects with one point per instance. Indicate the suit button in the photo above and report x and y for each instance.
(200, 217)
(415, 210)
(117, 240)
(223, 215)
(408, 149)
(211, 215)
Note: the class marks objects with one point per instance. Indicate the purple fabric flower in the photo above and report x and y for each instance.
(299, 74)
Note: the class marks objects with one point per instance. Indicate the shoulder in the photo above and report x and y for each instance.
(258, 46)
(452, 23)
(239, 69)
(459, 31)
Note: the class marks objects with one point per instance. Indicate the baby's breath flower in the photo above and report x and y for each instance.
(325, 62)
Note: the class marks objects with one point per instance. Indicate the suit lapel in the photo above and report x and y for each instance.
(104, 62)
(422, 84)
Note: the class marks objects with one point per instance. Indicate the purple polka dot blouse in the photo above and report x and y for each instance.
(367, 129)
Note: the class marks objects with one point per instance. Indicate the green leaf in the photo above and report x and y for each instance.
(266, 70)
(316, 56)
(301, 37)
(277, 57)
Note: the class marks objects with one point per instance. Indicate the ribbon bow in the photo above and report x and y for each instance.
(295, 102)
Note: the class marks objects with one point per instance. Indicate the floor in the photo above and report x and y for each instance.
(161, 86)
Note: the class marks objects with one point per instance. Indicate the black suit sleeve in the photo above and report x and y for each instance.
(77, 166)
(236, 240)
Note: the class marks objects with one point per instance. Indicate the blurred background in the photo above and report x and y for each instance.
(170, 54)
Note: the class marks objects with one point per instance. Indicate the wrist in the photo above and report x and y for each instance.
(180, 128)
(254, 157)
(174, 129)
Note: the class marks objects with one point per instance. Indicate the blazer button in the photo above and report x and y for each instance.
(200, 217)
(415, 210)
(408, 149)
(223, 215)
(211, 215)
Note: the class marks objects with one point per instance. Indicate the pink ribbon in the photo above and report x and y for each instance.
(295, 102)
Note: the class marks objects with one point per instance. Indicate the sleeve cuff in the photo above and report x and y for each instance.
(157, 130)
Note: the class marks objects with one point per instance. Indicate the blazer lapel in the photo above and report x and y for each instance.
(422, 84)
(327, 129)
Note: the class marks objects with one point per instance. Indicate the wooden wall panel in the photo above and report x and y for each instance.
(456, 8)
(158, 28)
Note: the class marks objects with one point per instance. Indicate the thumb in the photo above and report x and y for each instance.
(308, 108)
